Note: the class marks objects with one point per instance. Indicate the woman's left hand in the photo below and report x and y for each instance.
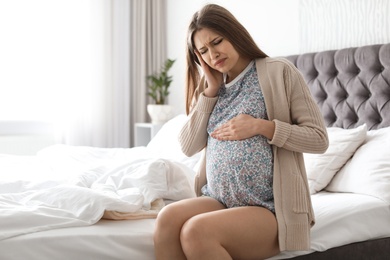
(244, 126)
(238, 128)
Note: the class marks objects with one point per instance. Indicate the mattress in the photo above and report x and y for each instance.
(341, 218)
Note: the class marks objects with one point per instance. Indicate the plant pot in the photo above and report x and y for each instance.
(159, 113)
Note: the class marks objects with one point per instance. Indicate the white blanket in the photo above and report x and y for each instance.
(66, 186)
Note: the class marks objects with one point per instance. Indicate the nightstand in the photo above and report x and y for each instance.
(144, 132)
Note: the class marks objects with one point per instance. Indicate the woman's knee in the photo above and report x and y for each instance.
(193, 236)
(166, 223)
(166, 215)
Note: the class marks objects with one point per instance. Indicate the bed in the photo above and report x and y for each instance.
(100, 203)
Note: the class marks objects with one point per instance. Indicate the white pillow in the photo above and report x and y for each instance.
(368, 172)
(343, 143)
(169, 130)
(165, 144)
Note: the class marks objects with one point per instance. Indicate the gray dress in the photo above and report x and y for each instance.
(240, 173)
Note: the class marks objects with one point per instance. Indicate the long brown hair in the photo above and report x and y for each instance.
(222, 22)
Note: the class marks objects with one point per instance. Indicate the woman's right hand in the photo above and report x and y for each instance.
(213, 77)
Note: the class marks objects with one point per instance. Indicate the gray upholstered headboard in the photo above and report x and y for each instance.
(351, 86)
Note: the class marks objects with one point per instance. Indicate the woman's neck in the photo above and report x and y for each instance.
(238, 68)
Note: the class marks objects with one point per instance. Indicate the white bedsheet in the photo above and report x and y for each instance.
(65, 186)
(341, 219)
(344, 218)
(106, 240)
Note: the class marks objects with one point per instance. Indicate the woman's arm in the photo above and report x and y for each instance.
(305, 131)
(193, 135)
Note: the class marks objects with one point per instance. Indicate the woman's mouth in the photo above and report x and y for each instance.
(219, 63)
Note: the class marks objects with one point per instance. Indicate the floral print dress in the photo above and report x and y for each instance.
(240, 173)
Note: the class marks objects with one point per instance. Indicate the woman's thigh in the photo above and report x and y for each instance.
(245, 232)
(177, 213)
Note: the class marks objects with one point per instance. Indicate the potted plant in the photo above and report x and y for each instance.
(158, 85)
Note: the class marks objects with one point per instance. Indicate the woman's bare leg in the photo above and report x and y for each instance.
(171, 220)
(236, 233)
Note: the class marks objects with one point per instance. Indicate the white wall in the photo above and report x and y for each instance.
(283, 27)
(332, 25)
(272, 23)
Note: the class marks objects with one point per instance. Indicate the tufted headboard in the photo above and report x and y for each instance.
(351, 86)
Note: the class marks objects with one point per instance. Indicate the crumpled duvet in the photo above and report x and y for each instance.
(66, 186)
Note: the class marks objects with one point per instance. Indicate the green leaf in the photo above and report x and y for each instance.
(159, 83)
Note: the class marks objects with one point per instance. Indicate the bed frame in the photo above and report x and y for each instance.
(352, 87)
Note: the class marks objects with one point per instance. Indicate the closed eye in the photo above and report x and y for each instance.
(218, 41)
(202, 51)
(215, 42)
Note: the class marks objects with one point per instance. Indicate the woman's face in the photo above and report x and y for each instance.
(218, 52)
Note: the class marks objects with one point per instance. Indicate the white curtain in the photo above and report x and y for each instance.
(80, 64)
(102, 104)
(128, 44)
(147, 51)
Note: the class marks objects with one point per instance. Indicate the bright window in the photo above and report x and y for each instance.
(44, 58)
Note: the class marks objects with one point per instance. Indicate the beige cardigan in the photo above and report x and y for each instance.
(299, 127)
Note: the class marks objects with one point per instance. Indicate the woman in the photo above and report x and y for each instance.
(256, 116)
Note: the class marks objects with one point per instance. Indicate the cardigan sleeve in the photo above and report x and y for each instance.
(193, 135)
(305, 130)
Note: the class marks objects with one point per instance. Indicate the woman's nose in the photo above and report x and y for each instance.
(214, 54)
